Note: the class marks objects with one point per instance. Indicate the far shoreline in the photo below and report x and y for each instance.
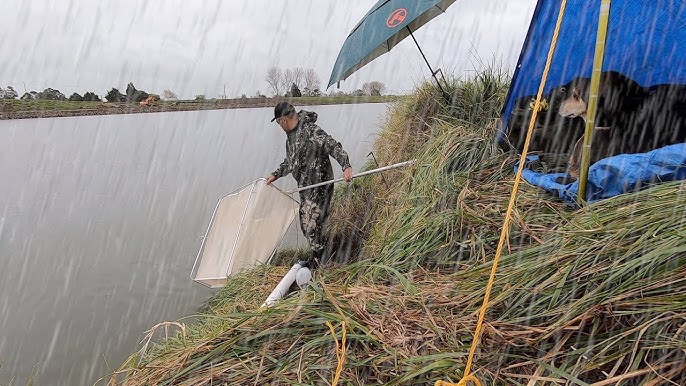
(19, 109)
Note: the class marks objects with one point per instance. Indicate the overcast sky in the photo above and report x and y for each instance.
(201, 46)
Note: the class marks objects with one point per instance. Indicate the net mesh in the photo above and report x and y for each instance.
(245, 230)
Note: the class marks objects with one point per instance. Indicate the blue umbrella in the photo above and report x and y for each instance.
(384, 26)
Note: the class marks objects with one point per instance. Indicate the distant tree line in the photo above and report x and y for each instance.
(114, 95)
(132, 95)
(169, 95)
(298, 82)
(294, 82)
(47, 94)
(8, 93)
(374, 88)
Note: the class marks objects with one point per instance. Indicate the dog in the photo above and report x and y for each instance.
(661, 119)
(646, 119)
(619, 98)
(617, 117)
(556, 132)
(552, 132)
(629, 119)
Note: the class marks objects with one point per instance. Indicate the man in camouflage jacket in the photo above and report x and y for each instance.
(308, 148)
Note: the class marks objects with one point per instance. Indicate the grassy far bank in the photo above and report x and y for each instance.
(593, 296)
(21, 109)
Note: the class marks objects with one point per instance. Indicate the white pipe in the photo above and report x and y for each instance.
(368, 172)
(282, 288)
(303, 277)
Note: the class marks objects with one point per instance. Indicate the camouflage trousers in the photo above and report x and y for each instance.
(314, 210)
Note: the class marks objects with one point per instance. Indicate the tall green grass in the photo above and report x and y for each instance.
(593, 296)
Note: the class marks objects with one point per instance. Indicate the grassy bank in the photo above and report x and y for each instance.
(24, 109)
(593, 296)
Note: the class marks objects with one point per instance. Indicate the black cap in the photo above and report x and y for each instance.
(282, 109)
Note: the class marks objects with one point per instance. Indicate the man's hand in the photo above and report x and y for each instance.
(348, 174)
(270, 179)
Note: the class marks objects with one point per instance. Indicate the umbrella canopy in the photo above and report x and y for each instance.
(384, 26)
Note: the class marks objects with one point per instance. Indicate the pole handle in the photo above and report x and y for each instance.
(368, 172)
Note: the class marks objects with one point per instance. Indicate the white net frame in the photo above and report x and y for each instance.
(246, 228)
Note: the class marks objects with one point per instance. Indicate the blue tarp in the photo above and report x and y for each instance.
(615, 175)
(646, 41)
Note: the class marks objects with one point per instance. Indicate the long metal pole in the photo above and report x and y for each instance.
(593, 98)
(368, 172)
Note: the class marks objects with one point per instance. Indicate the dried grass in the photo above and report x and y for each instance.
(596, 296)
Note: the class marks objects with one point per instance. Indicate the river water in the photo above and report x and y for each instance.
(101, 219)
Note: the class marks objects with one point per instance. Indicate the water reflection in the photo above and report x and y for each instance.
(101, 219)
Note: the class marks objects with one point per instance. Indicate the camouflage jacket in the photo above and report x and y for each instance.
(308, 148)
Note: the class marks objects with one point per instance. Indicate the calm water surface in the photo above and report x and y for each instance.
(101, 219)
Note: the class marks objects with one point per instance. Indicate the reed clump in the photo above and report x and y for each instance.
(591, 296)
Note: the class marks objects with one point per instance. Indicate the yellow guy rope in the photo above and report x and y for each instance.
(508, 215)
(340, 351)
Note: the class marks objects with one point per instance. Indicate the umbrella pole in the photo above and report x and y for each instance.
(433, 73)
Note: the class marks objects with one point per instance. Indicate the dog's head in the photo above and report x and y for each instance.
(574, 106)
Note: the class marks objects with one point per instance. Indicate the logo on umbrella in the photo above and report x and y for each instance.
(398, 16)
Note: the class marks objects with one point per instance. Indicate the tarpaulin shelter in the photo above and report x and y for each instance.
(645, 47)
